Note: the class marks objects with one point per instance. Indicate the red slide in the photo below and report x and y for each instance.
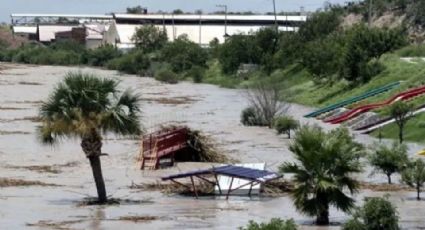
(362, 109)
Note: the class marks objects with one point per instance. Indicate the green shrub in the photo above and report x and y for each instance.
(183, 54)
(68, 46)
(167, 76)
(365, 44)
(135, 62)
(100, 56)
(251, 117)
(196, 73)
(274, 224)
(412, 51)
(376, 214)
(285, 124)
(149, 38)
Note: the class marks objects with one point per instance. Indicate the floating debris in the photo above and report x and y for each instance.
(7, 182)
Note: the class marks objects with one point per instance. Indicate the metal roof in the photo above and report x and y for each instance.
(25, 29)
(232, 171)
(205, 17)
(94, 16)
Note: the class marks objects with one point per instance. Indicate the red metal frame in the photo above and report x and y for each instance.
(162, 144)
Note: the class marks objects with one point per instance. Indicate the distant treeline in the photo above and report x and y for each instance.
(322, 46)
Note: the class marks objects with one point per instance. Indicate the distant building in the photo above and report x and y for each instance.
(28, 32)
(198, 28)
(76, 34)
(94, 35)
(118, 29)
(47, 33)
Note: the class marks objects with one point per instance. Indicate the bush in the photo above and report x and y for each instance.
(323, 57)
(167, 76)
(237, 50)
(196, 73)
(251, 117)
(285, 124)
(100, 56)
(365, 44)
(150, 38)
(376, 214)
(135, 62)
(183, 54)
(412, 51)
(264, 98)
(274, 224)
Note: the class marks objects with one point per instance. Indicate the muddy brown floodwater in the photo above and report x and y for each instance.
(49, 183)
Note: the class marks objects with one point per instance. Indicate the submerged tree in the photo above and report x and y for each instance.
(85, 106)
(285, 124)
(325, 167)
(414, 176)
(264, 99)
(376, 214)
(274, 224)
(401, 112)
(389, 160)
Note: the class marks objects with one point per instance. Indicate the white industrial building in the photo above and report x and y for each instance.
(118, 29)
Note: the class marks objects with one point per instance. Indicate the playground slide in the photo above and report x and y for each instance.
(370, 128)
(362, 109)
(354, 99)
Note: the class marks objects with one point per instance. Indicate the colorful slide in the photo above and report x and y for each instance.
(385, 121)
(354, 99)
(365, 108)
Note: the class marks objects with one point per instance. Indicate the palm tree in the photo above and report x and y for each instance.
(324, 169)
(85, 106)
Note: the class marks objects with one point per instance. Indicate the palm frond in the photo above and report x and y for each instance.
(83, 103)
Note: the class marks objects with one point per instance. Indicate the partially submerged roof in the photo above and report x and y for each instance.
(232, 171)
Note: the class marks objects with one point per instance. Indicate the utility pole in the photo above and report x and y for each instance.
(225, 19)
(275, 16)
(370, 13)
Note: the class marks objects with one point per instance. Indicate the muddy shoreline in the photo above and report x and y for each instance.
(213, 110)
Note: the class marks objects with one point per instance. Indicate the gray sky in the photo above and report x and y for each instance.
(104, 6)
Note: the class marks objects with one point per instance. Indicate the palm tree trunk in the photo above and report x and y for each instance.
(92, 147)
(98, 178)
(389, 178)
(323, 218)
(323, 213)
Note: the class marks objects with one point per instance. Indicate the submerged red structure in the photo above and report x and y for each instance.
(162, 144)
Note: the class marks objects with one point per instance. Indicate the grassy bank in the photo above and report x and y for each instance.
(297, 86)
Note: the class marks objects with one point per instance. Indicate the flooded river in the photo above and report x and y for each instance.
(66, 176)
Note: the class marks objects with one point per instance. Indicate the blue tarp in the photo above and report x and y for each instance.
(232, 171)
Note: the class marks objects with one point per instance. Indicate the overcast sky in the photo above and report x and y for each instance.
(104, 6)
